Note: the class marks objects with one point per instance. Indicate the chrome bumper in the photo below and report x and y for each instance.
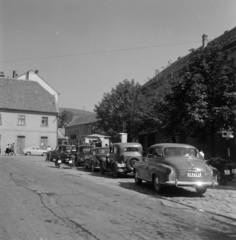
(177, 183)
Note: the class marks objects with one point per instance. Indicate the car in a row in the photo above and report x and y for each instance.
(165, 164)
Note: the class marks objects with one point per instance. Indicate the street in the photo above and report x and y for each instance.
(39, 201)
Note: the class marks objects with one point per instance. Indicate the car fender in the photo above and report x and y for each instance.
(162, 170)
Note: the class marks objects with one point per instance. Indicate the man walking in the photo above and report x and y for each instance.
(13, 149)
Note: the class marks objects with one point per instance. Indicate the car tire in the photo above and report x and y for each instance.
(115, 172)
(44, 154)
(201, 190)
(156, 183)
(92, 167)
(28, 153)
(130, 163)
(102, 171)
(137, 180)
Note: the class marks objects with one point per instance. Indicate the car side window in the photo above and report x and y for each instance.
(150, 152)
(157, 152)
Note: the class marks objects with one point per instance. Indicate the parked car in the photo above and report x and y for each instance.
(122, 158)
(82, 153)
(34, 151)
(64, 152)
(95, 156)
(177, 165)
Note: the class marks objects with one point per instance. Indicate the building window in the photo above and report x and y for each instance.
(21, 120)
(44, 122)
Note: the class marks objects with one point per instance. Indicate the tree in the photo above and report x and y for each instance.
(203, 101)
(65, 117)
(117, 110)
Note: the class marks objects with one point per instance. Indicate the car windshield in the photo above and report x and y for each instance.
(86, 150)
(131, 149)
(181, 152)
(103, 151)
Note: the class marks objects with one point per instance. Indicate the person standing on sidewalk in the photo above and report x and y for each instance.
(49, 149)
(13, 149)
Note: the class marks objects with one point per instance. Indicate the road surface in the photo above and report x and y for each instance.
(39, 201)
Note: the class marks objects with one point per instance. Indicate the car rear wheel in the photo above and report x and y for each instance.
(201, 190)
(157, 183)
(138, 181)
(28, 153)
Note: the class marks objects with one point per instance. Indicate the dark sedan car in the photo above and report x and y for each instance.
(82, 153)
(122, 158)
(64, 152)
(95, 156)
(175, 164)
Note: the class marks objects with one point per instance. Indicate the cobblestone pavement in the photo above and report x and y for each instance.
(219, 201)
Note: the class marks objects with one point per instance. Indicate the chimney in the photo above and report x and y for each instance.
(14, 74)
(27, 75)
(204, 40)
(36, 71)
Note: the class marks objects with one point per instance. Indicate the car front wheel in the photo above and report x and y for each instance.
(28, 153)
(157, 183)
(201, 190)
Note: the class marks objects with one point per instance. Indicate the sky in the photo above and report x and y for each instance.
(84, 48)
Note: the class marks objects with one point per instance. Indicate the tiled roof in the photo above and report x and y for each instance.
(83, 120)
(224, 40)
(26, 96)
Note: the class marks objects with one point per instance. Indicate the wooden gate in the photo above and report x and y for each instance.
(44, 143)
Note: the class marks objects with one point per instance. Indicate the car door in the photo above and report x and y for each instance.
(154, 162)
(143, 166)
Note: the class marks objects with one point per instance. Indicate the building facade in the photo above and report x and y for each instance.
(79, 127)
(28, 115)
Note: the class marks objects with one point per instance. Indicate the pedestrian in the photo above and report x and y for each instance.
(48, 156)
(8, 149)
(13, 149)
(202, 154)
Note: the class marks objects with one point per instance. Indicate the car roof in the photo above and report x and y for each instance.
(129, 144)
(172, 145)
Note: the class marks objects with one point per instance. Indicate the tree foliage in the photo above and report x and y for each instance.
(203, 101)
(64, 118)
(117, 111)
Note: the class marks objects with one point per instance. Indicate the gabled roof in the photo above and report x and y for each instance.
(224, 40)
(83, 120)
(26, 96)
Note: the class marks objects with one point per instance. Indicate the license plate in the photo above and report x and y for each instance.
(227, 172)
(70, 161)
(194, 174)
(59, 161)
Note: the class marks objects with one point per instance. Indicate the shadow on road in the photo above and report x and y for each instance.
(106, 175)
(168, 191)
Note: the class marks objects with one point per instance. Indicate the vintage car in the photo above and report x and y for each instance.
(175, 164)
(34, 151)
(64, 152)
(95, 156)
(82, 153)
(121, 158)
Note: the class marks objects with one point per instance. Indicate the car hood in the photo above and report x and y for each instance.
(187, 163)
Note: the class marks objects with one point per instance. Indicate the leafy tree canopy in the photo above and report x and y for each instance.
(65, 117)
(203, 100)
(117, 110)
